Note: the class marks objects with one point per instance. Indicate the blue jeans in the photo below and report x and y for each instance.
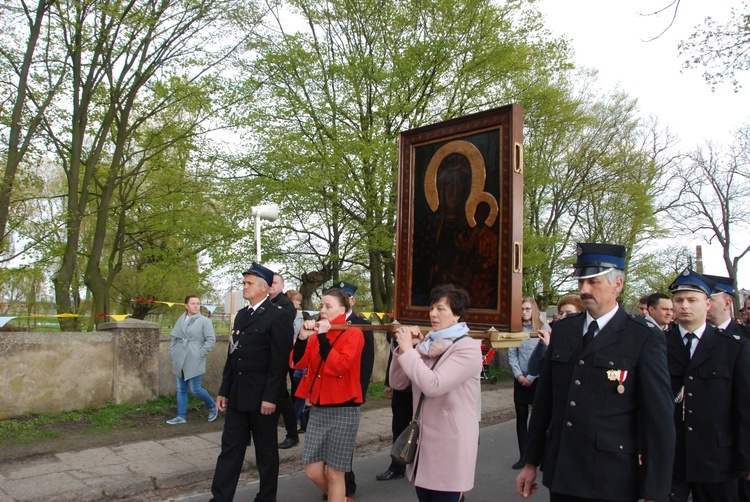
(195, 387)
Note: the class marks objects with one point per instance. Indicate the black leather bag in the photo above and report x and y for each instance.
(404, 449)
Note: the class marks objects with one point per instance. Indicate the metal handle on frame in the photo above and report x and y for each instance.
(518, 165)
(517, 257)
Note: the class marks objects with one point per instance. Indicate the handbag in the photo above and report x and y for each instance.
(404, 448)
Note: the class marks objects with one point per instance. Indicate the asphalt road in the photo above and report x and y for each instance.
(495, 480)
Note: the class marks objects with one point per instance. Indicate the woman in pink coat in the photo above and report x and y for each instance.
(449, 424)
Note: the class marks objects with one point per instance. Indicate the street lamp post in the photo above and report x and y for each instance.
(268, 212)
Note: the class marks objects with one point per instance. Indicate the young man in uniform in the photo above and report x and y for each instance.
(710, 376)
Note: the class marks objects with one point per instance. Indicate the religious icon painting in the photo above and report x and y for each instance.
(460, 218)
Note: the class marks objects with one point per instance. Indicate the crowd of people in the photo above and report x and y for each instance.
(646, 406)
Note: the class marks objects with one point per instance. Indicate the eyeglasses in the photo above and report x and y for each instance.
(527, 309)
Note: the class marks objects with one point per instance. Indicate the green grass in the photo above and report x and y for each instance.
(35, 427)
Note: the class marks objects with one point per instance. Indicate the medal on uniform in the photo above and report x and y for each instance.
(618, 376)
(620, 380)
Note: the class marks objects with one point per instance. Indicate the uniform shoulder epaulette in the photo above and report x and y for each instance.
(737, 338)
(643, 322)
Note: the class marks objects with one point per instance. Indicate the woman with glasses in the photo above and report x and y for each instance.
(524, 385)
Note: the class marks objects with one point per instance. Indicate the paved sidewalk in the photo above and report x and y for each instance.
(142, 469)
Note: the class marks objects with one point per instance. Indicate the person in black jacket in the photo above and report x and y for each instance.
(253, 380)
(722, 307)
(710, 374)
(286, 403)
(600, 425)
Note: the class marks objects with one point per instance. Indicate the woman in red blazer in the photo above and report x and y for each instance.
(331, 386)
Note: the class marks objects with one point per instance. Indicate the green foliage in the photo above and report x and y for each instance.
(330, 100)
(592, 171)
(722, 49)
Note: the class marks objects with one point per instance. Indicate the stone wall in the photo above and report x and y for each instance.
(53, 372)
(126, 362)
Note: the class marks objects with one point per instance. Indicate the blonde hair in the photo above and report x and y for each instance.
(536, 320)
(293, 294)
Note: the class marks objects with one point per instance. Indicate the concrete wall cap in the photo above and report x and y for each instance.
(128, 324)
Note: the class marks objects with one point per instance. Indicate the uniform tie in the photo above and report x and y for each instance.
(593, 326)
(689, 337)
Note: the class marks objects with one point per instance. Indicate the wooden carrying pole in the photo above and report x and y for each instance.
(497, 338)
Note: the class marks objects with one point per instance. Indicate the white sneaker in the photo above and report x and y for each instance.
(213, 413)
(177, 420)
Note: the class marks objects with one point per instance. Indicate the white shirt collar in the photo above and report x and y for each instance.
(602, 321)
(255, 307)
(698, 332)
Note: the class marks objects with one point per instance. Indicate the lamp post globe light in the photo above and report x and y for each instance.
(268, 212)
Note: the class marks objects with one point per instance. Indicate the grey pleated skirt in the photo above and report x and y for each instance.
(330, 436)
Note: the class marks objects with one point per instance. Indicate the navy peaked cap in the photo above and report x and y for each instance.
(260, 271)
(690, 280)
(596, 259)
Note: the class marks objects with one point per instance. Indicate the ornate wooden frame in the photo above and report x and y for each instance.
(476, 244)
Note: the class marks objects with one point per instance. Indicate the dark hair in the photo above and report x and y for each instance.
(643, 300)
(341, 296)
(187, 298)
(458, 299)
(653, 300)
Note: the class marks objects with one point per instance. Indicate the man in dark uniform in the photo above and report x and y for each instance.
(253, 380)
(710, 373)
(722, 307)
(286, 404)
(366, 363)
(600, 423)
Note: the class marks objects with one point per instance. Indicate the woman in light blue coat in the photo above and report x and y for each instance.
(192, 339)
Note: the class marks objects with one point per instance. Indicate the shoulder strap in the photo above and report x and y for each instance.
(419, 404)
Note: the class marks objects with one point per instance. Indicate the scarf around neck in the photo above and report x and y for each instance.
(451, 333)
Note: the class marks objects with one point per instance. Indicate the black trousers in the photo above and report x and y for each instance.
(557, 497)
(704, 492)
(401, 407)
(744, 490)
(239, 428)
(426, 495)
(286, 407)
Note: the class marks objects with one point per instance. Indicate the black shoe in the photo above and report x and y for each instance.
(389, 474)
(518, 465)
(288, 443)
(300, 431)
